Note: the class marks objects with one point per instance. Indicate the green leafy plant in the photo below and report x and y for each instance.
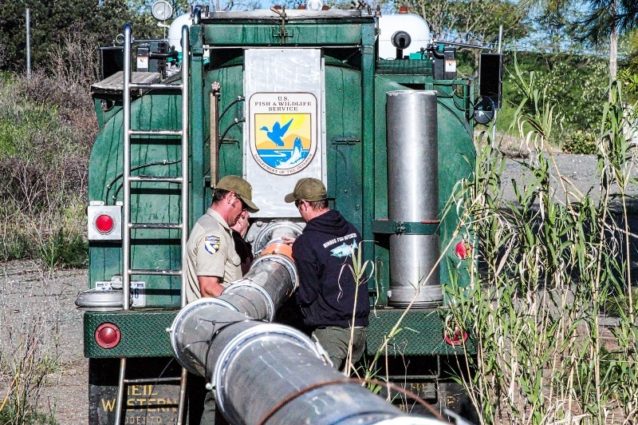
(575, 86)
(63, 249)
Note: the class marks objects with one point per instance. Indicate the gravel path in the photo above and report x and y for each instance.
(38, 320)
(571, 175)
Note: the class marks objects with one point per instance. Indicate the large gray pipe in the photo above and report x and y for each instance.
(270, 281)
(269, 374)
(264, 373)
(413, 196)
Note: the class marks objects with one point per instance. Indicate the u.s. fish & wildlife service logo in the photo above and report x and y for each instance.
(283, 127)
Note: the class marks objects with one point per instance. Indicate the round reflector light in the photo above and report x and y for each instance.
(457, 338)
(463, 250)
(107, 335)
(104, 223)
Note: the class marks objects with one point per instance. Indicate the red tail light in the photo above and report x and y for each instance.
(457, 338)
(104, 223)
(463, 250)
(107, 335)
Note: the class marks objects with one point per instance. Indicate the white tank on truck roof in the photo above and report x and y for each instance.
(175, 31)
(391, 26)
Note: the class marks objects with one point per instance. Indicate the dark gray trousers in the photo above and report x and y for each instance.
(335, 341)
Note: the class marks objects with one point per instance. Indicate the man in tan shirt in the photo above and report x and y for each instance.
(211, 265)
(212, 261)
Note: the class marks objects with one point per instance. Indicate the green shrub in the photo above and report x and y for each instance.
(575, 85)
(16, 240)
(62, 249)
(9, 416)
(580, 142)
(629, 81)
(46, 130)
(8, 134)
(15, 246)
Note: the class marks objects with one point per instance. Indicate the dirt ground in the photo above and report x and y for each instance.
(39, 321)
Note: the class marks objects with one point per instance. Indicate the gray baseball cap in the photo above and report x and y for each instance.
(308, 189)
(241, 187)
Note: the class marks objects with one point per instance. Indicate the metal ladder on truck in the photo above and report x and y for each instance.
(127, 272)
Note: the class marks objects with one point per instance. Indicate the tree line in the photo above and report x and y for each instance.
(560, 23)
(55, 22)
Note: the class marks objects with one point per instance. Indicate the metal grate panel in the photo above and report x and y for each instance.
(412, 66)
(143, 333)
(421, 334)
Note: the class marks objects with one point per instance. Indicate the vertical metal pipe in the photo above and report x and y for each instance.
(28, 25)
(197, 136)
(185, 153)
(368, 38)
(185, 195)
(214, 132)
(182, 397)
(499, 50)
(120, 392)
(126, 240)
(413, 195)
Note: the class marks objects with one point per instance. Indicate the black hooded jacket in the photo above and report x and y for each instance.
(323, 254)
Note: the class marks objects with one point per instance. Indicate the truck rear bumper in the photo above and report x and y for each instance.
(143, 333)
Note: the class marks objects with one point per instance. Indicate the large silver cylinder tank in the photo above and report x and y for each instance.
(413, 196)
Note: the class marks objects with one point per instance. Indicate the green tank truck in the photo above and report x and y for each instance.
(372, 107)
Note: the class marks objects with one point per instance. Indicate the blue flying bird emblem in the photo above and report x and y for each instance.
(343, 250)
(277, 133)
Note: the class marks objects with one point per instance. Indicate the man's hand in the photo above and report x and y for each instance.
(288, 240)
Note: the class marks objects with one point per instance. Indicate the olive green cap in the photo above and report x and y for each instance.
(241, 187)
(308, 189)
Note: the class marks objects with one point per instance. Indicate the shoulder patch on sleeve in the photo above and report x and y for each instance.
(212, 244)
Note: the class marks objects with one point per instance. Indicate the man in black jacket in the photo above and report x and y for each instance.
(330, 299)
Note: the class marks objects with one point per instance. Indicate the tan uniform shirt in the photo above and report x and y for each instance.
(210, 252)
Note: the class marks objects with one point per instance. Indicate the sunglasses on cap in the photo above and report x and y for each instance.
(244, 207)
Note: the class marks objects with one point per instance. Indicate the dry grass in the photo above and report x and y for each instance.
(26, 368)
